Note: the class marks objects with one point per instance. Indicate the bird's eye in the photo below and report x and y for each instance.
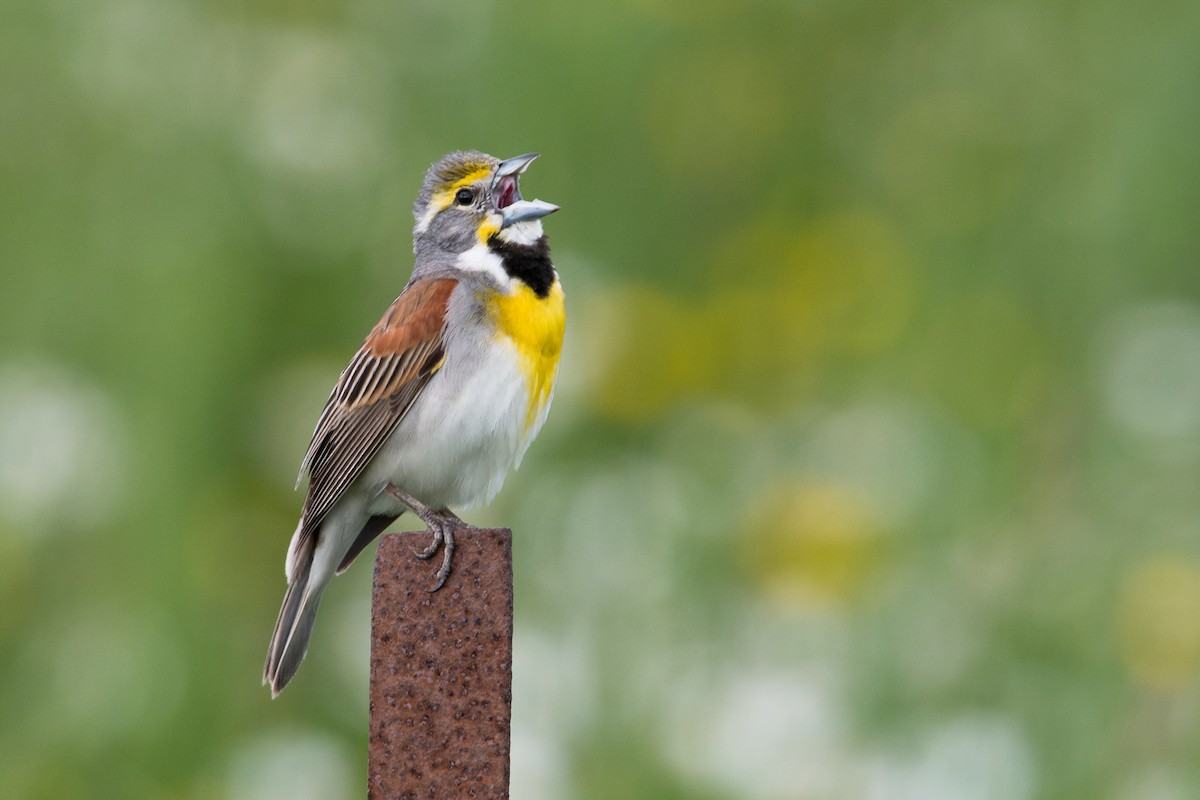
(464, 197)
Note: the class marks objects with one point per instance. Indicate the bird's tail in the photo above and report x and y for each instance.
(295, 624)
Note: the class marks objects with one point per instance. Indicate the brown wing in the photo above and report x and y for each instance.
(374, 393)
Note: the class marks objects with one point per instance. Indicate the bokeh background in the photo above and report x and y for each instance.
(874, 470)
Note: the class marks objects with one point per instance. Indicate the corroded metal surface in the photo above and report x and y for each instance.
(441, 670)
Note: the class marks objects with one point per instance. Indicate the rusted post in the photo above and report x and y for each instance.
(441, 670)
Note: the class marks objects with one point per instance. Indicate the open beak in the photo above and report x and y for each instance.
(506, 193)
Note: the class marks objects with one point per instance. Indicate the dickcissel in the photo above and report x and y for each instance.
(445, 394)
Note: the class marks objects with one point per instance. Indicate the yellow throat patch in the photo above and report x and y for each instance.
(535, 327)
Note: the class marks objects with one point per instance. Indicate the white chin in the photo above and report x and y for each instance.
(525, 232)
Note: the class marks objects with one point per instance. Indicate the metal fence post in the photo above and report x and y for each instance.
(441, 670)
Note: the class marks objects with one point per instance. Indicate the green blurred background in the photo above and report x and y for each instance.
(873, 469)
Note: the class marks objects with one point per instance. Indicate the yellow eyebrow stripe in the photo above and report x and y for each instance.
(470, 178)
(444, 197)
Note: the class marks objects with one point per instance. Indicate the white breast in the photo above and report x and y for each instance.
(462, 436)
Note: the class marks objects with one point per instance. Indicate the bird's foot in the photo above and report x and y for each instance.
(441, 524)
(428, 552)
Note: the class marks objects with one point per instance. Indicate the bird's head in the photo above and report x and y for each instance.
(468, 198)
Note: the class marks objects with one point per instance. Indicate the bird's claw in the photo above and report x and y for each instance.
(444, 535)
(429, 552)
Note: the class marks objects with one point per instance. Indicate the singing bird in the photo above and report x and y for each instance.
(443, 397)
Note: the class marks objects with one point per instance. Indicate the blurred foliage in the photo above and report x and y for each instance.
(873, 470)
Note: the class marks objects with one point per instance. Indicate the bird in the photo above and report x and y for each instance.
(445, 394)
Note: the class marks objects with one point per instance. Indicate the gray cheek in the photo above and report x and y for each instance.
(452, 234)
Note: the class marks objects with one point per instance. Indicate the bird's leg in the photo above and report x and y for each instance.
(440, 523)
(448, 514)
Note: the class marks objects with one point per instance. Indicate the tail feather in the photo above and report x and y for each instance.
(373, 527)
(296, 646)
(294, 626)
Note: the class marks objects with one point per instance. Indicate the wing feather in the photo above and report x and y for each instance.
(373, 394)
